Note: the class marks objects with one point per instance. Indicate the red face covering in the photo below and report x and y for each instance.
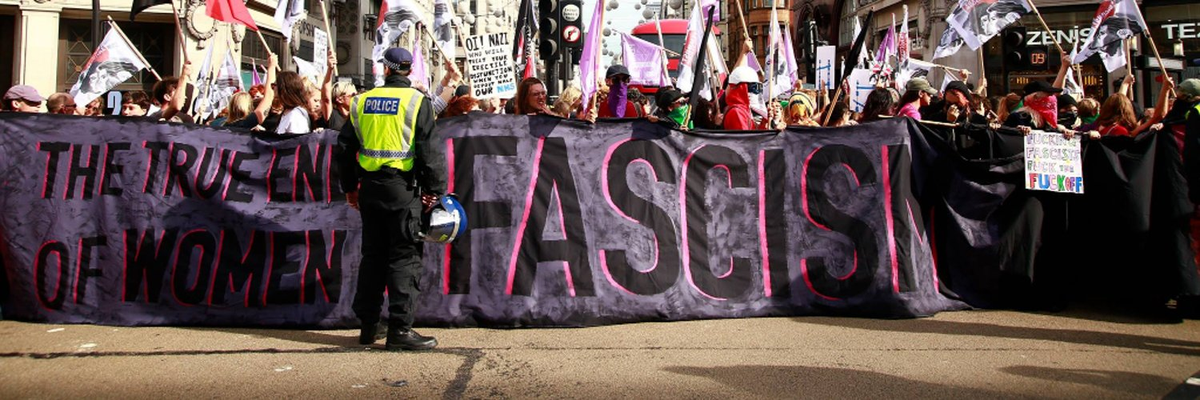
(1046, 107)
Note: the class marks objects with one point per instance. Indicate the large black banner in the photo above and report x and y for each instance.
(128, 222)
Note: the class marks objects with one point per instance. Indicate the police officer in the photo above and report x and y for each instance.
(391, 170)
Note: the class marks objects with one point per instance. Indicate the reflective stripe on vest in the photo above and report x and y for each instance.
(385, 120)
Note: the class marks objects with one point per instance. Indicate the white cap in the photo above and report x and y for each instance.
(742, 74)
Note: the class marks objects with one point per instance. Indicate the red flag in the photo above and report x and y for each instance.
(232, 11)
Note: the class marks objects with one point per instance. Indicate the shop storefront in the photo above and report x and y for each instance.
(1041, 58)
(1175, 27)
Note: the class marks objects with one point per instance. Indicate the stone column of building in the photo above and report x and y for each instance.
(37, 31)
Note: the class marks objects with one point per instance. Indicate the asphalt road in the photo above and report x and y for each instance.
(968, 354)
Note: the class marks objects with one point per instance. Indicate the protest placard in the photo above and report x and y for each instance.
(490, 58)
(1052, 163)
(861, 83)
(320, 58)
(825, 67)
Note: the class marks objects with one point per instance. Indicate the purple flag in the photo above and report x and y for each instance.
(752, 62)
(645, 61)
(589, 61)
(419, 73)
(255, 80)
(887, 47)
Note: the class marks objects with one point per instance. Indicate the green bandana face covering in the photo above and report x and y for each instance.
(679, 114)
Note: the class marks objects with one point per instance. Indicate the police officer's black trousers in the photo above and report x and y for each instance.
(391, 252)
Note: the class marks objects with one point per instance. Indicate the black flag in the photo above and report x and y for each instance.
(701, 58)
(142, 5)
(851, 62)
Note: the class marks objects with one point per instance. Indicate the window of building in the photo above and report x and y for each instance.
(849, 19)
(252, 48)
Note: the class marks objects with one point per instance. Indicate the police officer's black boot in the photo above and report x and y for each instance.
(408, 339)
(371, 333)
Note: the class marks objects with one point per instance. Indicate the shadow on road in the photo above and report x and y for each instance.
(1096, 338)
(293, 335)
(1113, 381)
(765, 381)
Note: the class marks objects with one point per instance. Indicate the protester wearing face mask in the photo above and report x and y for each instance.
(954, 107)
(617, 104)
(1068, 111)
(672, 107)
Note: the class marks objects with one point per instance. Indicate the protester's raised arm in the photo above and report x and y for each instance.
(1164, 99)
(1126, 87)
(1065, 66)
(264, 106)
(1160, 111)
(327, 87)
(747, 48)
(179, 97)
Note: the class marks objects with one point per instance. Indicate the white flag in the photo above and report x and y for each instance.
(691, 47)
(783, 62)
(287, 13)
(203, 89)
(978, 21)
(1115, 21)
(443, 28)
(227, 82)
(397, 17)
(113, 62)
(1070, 86)
(306, 70)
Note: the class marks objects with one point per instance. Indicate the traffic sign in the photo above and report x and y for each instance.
(571, 34)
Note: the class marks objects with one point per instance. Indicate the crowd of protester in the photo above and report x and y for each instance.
(292, 104)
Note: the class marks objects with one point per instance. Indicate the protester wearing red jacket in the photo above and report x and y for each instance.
(743, 83)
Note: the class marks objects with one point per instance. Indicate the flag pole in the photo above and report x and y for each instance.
(772, 62)
(745, 32)
(114, 26)
(662, 45)
(829, 110)
(425, 31)
(1161, 68)
(178, 32)
(462, 39)
(266, 47)
(328, 34)
(1043, 21)
(982, 73)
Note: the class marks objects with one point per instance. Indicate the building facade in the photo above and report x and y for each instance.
(47, 42)
(51, 40)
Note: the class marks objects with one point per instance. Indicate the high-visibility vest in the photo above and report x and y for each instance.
(385, 120)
